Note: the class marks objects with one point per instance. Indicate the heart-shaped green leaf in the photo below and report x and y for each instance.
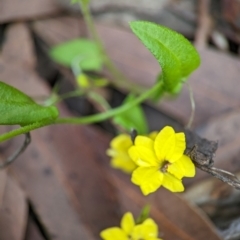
(176, 55)
(17, 108)
(84, 51)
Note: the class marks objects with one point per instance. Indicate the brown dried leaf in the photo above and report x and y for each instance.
(13, 212)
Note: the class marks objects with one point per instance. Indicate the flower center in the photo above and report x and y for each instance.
(165, 166)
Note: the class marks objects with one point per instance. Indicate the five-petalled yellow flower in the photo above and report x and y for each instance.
(148, 230)
(161, 161)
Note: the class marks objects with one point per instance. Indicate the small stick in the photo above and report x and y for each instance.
(206, 165)
(14, 156)
(222, 175)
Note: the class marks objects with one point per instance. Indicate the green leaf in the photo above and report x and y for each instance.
(160, 93)
(133, 118)
(18, 109)
(80, 1)
(144, 214)
(85, 1)
(82, 51)
(176, 55)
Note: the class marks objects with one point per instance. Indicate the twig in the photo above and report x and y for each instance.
(222, 175)
(13, 157)
(206, 165)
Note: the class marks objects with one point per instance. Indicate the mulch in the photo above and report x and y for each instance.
(62, 186)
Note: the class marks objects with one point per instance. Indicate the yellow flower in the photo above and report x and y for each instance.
(148, 230)
(161, 161)
(119, 153)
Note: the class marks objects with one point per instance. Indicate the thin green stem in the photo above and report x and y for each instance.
(90, 24)
(76, 93)
(97, 98)
(22, 130)
(83, 120)
(119, 79)
(58, 98)
(113, 112)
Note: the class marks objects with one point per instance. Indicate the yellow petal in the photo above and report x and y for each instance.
(142, 156)
(179, 148)
(113, 233)
(142, 141)
(148, 178)
(147, 230)
(176, 169)
(183, 167)
(169, 145)
(142, 153)
(121, 143)
(153, 135)
(143, 174)
(172, 183)
(163, 142)
(125, 164)
(111, 152)
(187, 165)
(119, 153)
(154, 238)
(127, 223)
